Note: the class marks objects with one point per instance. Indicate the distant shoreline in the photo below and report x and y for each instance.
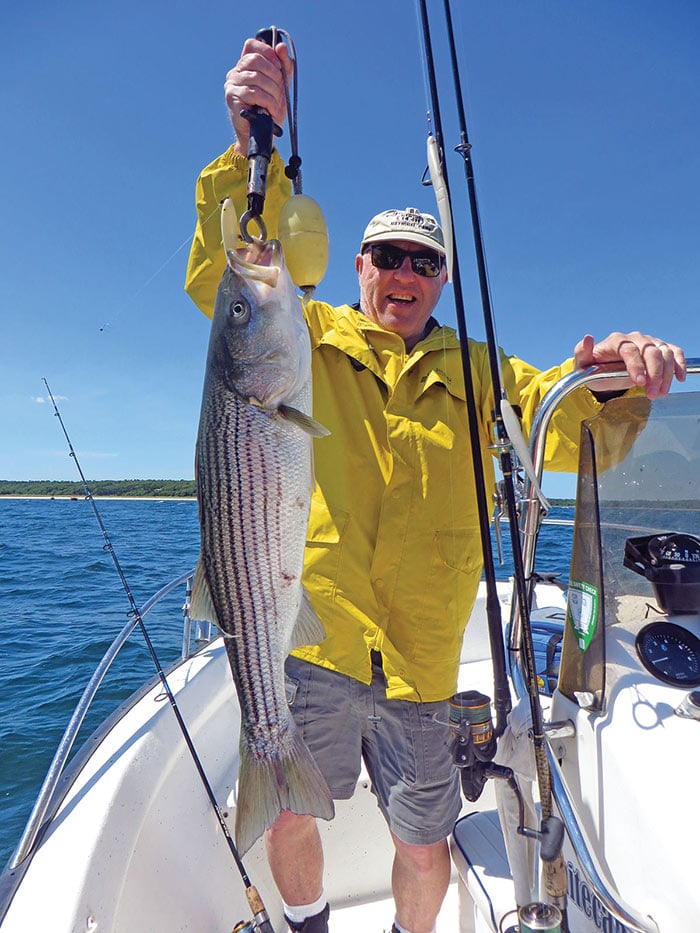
(99, 489)
(153, 490)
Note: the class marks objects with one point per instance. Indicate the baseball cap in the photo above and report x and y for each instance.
(410, 225)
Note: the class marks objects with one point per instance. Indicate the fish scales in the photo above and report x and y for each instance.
(254, 507)
(254, 478)
(251, 523)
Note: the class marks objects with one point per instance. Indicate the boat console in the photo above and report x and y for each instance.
(623, 749)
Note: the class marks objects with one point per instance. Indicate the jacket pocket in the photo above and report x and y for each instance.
(459, 549)
(324, 544)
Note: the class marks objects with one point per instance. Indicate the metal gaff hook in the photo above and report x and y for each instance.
(262, 229)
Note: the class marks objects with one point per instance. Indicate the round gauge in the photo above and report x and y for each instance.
(670, 653)
(677, 548)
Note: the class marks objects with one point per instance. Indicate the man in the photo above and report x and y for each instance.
(393, 555)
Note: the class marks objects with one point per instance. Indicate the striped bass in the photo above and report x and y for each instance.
(254, 481)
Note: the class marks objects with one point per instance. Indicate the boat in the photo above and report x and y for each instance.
(124, 837)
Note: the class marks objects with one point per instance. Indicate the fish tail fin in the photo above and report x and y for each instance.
(266, 788)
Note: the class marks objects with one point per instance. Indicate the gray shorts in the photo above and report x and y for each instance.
(405, 747)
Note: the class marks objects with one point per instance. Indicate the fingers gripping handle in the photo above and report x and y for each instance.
(262, 131)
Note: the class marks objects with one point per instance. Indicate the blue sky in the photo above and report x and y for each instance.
(584, 119)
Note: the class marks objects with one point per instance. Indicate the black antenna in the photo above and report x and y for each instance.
(259, 913)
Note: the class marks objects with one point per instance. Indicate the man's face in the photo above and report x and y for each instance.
(399, 300)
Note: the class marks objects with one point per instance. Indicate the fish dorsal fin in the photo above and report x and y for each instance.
(305, 422)
(308, 628)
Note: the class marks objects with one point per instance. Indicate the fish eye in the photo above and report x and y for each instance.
(239, 310)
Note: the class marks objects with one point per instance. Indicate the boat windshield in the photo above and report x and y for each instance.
(638, 516)
(654, 488)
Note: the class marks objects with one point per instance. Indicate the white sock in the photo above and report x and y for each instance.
(400, 929)
(300, 913)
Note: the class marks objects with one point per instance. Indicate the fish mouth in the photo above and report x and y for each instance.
(259, 261)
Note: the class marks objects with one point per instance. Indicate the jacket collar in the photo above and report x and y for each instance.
(376, 349)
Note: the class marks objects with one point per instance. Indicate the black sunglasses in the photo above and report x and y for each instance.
(386, 256)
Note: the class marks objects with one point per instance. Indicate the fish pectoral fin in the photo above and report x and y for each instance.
(305, 422)
(308, 628)
(201, 604)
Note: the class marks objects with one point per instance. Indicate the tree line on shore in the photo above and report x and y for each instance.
(129, 488)
(136, 488)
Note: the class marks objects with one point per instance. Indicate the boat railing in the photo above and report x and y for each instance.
(530, 523)
(48, 793)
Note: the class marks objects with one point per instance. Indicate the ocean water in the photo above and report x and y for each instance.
(63, 604)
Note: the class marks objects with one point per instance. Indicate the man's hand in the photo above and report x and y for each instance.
(651, 363)
(257, 80)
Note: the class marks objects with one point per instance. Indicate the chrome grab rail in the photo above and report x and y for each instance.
(53, 775)
(634, 921)
(530, 523)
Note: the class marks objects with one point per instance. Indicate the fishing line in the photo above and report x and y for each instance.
(259, 913)
(144, 285)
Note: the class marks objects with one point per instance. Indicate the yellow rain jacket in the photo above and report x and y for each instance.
(393, 555)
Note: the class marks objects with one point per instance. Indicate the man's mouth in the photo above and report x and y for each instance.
(401, 299)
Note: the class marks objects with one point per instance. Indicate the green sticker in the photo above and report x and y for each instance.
(582, 611)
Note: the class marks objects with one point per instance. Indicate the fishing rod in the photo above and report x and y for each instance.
(553, 867)
(502, 699)
(554, 872)
(260, 915)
